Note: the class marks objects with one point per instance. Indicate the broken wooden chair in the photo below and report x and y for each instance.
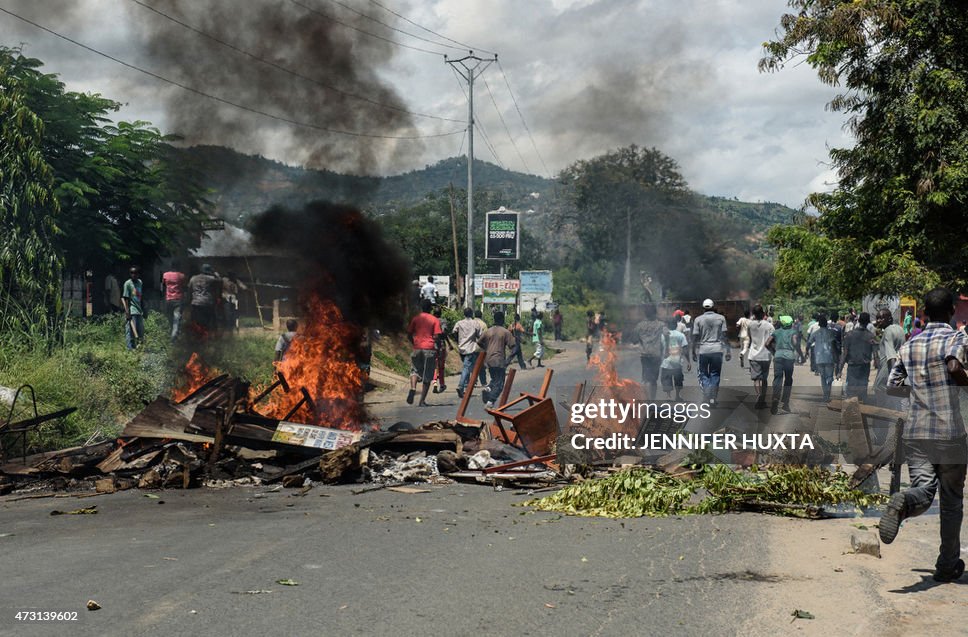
(534, 428)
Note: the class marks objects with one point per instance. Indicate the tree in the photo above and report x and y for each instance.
(897, 220)
(121, 199)
(29, 264)
(425, 235)
(633, 205)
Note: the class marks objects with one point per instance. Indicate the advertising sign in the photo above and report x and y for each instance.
(536, 281)
(501, 291)
(293, 433)
(502, 238)
(479, 282)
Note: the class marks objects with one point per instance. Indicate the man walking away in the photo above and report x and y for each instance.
(761, 331)
(440, 345)
(285, 339)
(467, 331)
(591, 331)
(429, 290)
(892, 338)
(709, 345)
(479, 317)
(556, 321)
(744, 336)
(857, 355)
(173, 284)
(537, 337)
(495, 342)
(933, 364)
(134, 328)
(670, 372)
(825, 346)
(650, 336)
(812, 327)
(785, 345)
(205, 288)
(422, 331)
(517, 330)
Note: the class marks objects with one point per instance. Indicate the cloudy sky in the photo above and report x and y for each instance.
(588, 75)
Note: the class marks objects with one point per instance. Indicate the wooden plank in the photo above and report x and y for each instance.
(469, 391)
(869, 410)
(858, 438)
(163, 419)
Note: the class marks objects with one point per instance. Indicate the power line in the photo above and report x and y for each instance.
(490, 147)
(393, 28)
(364, 32)
(480, 125)
(439, 35)
(503, 123)
(287, 70)
(521, 115)
(221, 100)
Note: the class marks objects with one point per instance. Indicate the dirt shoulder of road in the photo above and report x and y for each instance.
(857, 594)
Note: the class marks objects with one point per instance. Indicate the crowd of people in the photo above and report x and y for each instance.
(207, 303)
(919, 371)
(432, 338)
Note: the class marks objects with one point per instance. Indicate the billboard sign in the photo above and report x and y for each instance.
(501, 291)
(536, 282)
(502, 238)
(479, 282)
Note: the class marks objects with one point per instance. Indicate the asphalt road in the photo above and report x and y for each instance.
(460, 559)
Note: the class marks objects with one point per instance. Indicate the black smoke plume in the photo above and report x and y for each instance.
(342, 256)
(291, 36)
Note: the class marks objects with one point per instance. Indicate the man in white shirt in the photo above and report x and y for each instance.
(760, 331)
(429, 290)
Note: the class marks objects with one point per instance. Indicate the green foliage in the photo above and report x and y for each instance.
(647, 492)
(122, 195)
(632, 204)
(425, 232)
(29, 264)
(94, 372)
(897, 220)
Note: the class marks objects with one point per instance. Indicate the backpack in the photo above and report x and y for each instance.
(650, 337)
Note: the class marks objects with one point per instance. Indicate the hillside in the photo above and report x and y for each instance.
(244, 185)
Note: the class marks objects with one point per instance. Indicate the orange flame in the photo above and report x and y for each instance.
(605, 361)
(192, 376)
(322, 360)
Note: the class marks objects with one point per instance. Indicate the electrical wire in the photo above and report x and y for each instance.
(221, 100)
(363, 31)
(521, 115)
(393, 28)
(439, 35)
(287, 70)
(503, 123)
(478, 124)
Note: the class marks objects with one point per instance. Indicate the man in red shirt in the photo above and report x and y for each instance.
(422, 331)
(173, 285)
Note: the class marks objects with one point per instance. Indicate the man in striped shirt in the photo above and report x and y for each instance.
(932, 365)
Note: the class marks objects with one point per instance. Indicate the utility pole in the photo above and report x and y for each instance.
(469, 67)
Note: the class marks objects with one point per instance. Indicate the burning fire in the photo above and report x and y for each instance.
(322, 360)
(605, 361)
(193, 375)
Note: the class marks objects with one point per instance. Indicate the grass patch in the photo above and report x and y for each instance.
(108, 384)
